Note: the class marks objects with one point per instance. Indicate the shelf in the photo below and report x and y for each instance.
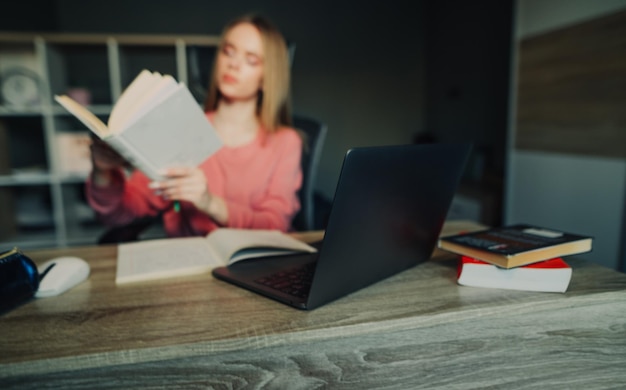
(44, 150)
(31, 217)
(27, 241)
(73, 178)
(21, 79)
(23, 142)
(134, 59)
(199, 65)
(26, 38)
(25, 179)
(80, 69)
(12, 111)
(33, 179)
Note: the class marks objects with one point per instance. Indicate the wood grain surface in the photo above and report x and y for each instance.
(417, 329)
(572, 89)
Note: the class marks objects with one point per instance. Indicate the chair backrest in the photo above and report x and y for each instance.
(314, 134)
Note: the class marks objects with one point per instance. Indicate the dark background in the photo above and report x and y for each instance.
(381, 73)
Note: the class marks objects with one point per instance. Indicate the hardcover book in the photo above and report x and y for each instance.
(551, 275)
(155, 124)
(516, 245)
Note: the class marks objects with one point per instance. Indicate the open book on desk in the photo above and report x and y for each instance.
(155, 124)
(172, 257)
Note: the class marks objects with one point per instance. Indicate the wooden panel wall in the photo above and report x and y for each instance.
(572, 89)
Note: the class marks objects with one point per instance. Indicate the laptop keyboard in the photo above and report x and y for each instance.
(296, 281)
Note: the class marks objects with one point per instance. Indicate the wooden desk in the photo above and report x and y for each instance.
(415, 329)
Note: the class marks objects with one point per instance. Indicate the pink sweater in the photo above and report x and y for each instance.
(258, 182)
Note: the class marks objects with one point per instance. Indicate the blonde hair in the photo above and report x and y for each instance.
(273, 108)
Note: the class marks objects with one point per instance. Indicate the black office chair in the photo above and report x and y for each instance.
(314, 135)
(129, 232)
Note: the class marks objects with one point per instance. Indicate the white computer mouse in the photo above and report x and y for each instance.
(61, 274)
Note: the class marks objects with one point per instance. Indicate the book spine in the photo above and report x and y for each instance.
(554, 276)
(133, 156)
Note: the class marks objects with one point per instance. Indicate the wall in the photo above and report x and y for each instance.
(467, 50)
(568, 191)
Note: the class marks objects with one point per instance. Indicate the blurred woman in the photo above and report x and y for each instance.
(252, 181)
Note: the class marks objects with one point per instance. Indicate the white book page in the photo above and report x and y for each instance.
(255, 243)
(255, 253)
(150, 98)
(137, 88)
(84, 115)
(164, 258)
(174, 133)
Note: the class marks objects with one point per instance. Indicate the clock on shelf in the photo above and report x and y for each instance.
(19, 87)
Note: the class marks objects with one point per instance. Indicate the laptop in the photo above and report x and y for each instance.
(389, 207)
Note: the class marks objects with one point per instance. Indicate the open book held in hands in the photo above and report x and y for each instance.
(171, 257)
(155, 124)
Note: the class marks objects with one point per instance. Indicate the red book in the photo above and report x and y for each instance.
(551, 275)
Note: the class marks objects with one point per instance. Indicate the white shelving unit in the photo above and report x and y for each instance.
(41, 182)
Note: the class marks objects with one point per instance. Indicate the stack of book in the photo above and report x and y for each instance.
(516, 257)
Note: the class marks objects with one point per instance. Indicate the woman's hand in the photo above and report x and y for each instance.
(104, 160)
(190, 185)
